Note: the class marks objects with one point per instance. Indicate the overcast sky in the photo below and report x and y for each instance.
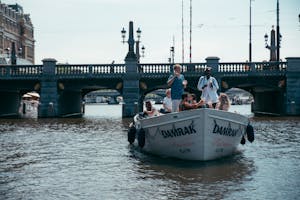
(89, 31)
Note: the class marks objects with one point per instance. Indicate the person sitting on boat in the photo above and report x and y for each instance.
(201, 104)
(192, 98)
(167, 102)
(150, 110)
(186, 105)
(224, 102)
(209, 86)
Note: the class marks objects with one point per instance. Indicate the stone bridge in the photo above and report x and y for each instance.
(274, 85)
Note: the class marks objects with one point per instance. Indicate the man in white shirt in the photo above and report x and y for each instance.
(209, 86)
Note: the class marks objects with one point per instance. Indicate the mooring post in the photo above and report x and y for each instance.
(213, 62)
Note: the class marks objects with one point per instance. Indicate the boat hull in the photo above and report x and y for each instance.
(201, 134)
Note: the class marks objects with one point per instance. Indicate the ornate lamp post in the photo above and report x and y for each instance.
(131, 84)
(123, 32)
(273, 47)
(278, 36)
(131, 54)
(137, 47)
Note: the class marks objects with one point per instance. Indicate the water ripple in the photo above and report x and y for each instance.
(90, 158)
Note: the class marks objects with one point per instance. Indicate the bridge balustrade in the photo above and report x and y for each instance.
(89, 70)
(76, 70)
(167, 67)
(193, 67)
(154, 68)
(254, 66)
(270, 66)
(21, 71)
(3, 70)
(234, 67)
(200, 67)
(241, 67)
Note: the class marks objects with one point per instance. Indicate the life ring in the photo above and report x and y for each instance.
(250, 133)
(141, 138)
(131, 134)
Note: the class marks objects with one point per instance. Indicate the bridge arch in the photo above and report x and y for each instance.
(103, 95)
(71, 93)
(268, 94)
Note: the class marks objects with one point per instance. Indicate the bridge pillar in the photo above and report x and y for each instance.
(49, 94)
(131, 89)
(131, 83)
(292, 102)
(213, 62)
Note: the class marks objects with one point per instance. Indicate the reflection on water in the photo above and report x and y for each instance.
(190, 179)
(90, 158)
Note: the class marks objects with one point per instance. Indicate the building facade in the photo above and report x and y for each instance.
(16, 35)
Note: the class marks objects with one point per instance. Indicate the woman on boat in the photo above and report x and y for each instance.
(224, 102)
(192, 98)
(185, 104)
(150, 110)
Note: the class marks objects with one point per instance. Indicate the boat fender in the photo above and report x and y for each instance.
(141, 138)
(243, 141)
(250, 133)
(131, 134)
(24, 108)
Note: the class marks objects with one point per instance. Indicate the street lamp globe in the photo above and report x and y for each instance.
(143, 51)
(123, 32)
(138, 33)
(266, 39)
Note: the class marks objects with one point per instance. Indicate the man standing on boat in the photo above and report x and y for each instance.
(177, 83)
(208, 85)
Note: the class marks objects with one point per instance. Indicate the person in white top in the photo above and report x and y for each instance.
(208, 85)
(167, 102)
(150, 111)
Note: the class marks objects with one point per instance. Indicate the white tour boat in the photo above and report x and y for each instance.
(199, 134)
(29, 105)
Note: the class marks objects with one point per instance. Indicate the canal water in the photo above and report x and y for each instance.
(90, 158)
